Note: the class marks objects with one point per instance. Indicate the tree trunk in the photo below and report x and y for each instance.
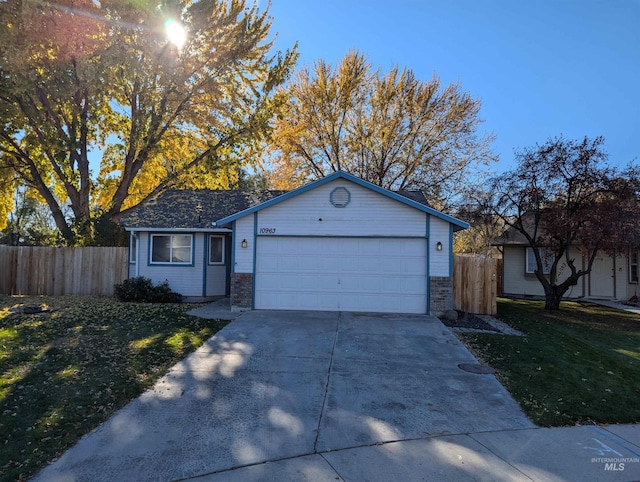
(54, 207)
(553, 296)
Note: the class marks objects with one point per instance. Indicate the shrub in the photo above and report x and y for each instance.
(142, 290)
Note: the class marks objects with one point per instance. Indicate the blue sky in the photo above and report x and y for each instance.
(541, 68)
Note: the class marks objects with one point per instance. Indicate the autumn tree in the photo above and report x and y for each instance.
(8, 184)
(79, 76)
(389, 128)
(485, 225)
(30, 223)
(564, 198)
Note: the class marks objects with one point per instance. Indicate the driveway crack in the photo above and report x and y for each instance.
(326, 388)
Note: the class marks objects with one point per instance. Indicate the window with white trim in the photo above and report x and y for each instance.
(633, 267)
(171, 248)
(133, 248)
(216, 249)
(547, 256)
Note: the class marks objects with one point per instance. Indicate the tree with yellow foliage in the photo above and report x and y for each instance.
(391, 129)
(78, 76)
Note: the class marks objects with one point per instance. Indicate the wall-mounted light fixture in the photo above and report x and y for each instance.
(244, 243)
(439, 246)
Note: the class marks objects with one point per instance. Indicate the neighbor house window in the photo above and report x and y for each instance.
(547, 260)
(216, 249)
(171, 248)
(633, 267)
(133, 249)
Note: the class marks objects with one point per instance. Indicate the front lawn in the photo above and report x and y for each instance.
(65, 371)
(580, 364)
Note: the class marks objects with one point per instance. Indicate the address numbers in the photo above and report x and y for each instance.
(267, 231)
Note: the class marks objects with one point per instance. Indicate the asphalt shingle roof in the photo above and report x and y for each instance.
(513, 237)
(193, 208)
(198, 208)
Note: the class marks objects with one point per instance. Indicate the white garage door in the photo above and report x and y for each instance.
(341, 274)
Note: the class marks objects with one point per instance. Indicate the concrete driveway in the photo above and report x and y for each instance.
(274, 386)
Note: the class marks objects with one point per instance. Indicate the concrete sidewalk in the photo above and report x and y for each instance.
(617, 304)
(217, 310)
(588, 453)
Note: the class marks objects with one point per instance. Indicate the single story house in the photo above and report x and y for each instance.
(611, 277)
(337, 244)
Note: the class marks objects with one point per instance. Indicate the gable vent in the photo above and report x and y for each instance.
(340, 197)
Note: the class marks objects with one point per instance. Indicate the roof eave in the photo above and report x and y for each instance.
(190, 230)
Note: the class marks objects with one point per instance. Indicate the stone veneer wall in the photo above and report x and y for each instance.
(241, 291)
(441, 294)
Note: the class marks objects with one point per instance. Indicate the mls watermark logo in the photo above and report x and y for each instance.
(613, 460)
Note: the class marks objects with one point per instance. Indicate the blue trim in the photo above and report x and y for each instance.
(450, 251)
(150, 235)
(341, 174)
(227, 266)
(428, 234)
(340, 205)
(255, 246)
(233, 247)
(204, 264)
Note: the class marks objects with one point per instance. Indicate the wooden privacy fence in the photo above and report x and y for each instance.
(61, 271)
(475, 284)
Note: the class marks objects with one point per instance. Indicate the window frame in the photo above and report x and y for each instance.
(222, 241)
(633, 279)
(171, 262)
(546, 266)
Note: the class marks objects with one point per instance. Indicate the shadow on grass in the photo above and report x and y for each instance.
(66, 372)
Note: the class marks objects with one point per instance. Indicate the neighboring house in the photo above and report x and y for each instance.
(339, 243)
(610, 278)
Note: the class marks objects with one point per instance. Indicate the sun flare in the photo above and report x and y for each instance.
(175, 32)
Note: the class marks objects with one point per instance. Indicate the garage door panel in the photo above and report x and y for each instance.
(350, 274)
(370, 249)
(410, 267)
(394, 285)
(411, 286)
(369, 264)
(356, 284)
(267, 279)
(388, 265)
(314, 282)
(307, 299)
(308, 263)
(332, 264)
(328, 301)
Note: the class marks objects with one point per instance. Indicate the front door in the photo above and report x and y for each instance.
(602, 277)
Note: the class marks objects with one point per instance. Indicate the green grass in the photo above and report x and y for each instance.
(580, 364)
(65, 372)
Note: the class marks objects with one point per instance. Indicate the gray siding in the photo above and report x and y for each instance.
(519, 283)
(186, 280)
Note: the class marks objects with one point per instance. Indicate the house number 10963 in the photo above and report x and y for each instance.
(267, 230)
